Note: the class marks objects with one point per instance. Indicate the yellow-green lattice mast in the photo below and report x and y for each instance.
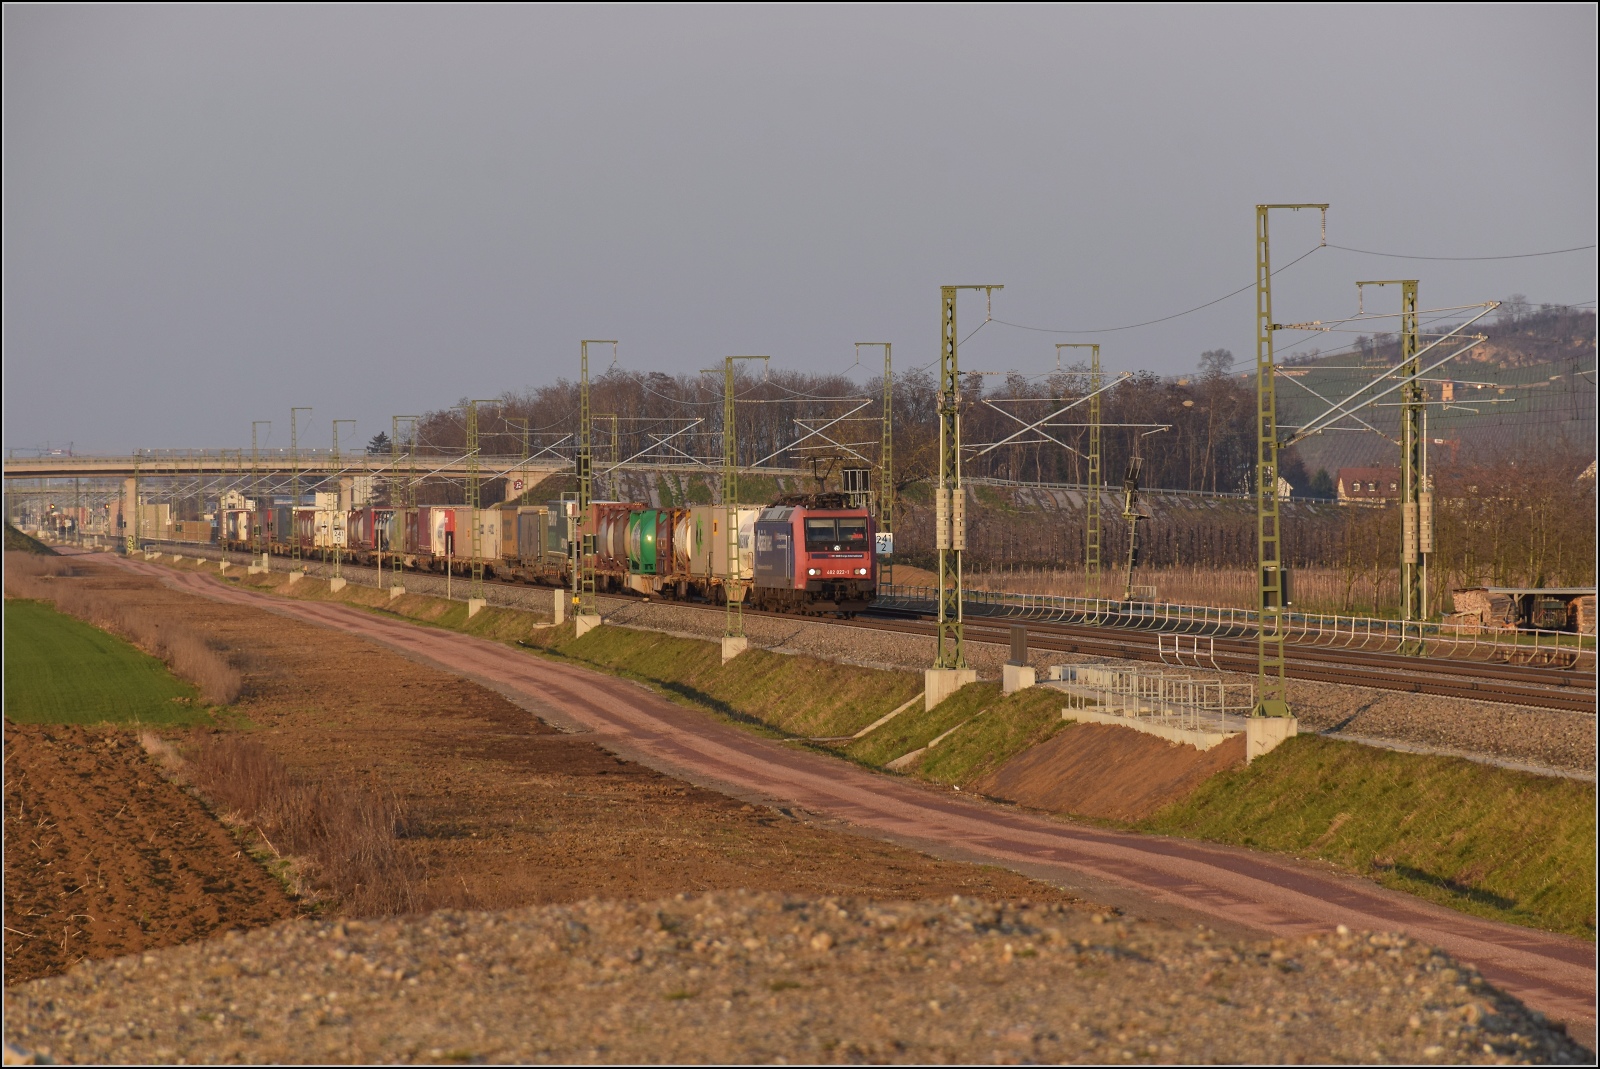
(1272, 688)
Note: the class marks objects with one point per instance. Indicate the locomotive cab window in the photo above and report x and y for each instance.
(845, 533)
(822, 534)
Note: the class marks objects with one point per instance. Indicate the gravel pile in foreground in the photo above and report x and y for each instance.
(744, 977)
(1535, 737)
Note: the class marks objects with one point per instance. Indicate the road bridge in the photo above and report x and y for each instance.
(312, 464)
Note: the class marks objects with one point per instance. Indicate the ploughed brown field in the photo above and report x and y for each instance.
(106, 857)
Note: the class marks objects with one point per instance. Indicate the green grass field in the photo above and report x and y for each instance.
(59, 670)
(1508, 845)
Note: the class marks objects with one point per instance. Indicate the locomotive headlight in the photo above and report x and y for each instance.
(861, 571)
(812, 571)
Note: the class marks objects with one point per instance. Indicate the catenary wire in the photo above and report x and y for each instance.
(1512, 256)
(1163, 319)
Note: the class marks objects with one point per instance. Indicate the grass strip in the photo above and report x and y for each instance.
(1008, 726)
(60, 670)
(1493, 842)
(795, 694)
(21, 542)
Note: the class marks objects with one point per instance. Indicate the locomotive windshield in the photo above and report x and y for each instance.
(849, 532)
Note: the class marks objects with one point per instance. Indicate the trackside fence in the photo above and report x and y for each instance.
(1445, 640)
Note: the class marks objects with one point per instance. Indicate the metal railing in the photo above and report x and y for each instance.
(1155, 491)
(1327, 630)
(1178, 701)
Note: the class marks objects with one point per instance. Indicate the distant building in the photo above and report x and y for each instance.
(1505, 608)
(1368, 485)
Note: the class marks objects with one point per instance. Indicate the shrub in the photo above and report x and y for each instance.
(350, 834)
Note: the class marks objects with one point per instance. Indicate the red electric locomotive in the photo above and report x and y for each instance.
(814, 554)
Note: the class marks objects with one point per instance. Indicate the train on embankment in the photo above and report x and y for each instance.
(807, 553)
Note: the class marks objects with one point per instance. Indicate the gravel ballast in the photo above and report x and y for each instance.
(740, 978)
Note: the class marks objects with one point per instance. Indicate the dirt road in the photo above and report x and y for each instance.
(1227, 886)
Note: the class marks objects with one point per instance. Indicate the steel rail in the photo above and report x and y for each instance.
(1552, 677)
(1116, 644)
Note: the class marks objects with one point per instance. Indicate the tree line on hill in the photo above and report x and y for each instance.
(1191, 432)
(1506, 517)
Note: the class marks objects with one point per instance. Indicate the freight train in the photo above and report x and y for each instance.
(808, 554)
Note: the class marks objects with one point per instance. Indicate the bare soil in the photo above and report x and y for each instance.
(105, 857)
(1116, 773)
(501, 809)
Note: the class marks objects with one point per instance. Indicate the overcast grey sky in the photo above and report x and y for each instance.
(211, 214)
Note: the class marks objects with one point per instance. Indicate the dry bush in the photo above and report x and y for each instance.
(349, 834)
(31, 565)
(192, 657)
(184, 649)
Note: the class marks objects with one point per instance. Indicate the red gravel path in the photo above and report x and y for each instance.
(1220, 884)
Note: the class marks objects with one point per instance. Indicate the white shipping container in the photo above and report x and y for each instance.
(459, 544)
(708, 540)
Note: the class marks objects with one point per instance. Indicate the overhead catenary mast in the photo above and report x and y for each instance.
(884, 499)
(950, 527)
(583, 549)
(402, 498)
(475, 598)
(262, 513)
(1091, 496)
(338, 522)
(1412, 494)
(733, 637)
(1272, 697)
(294, 485)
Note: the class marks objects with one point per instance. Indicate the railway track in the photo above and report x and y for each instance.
(1558, 689)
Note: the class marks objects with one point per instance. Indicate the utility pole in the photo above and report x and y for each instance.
(950, 499)
(294, 486)
(402, 496)
(1130, 513)
(950, 672)
(733, 637)
(1272, 688)
(133, 493)
(339, 524)
(216, 485)
(1411, 469)
(583, 551)
(885, 498)
(261, 514)
(1091, 499)
(475, 598)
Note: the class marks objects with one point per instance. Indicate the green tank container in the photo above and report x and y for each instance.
(642, 542)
